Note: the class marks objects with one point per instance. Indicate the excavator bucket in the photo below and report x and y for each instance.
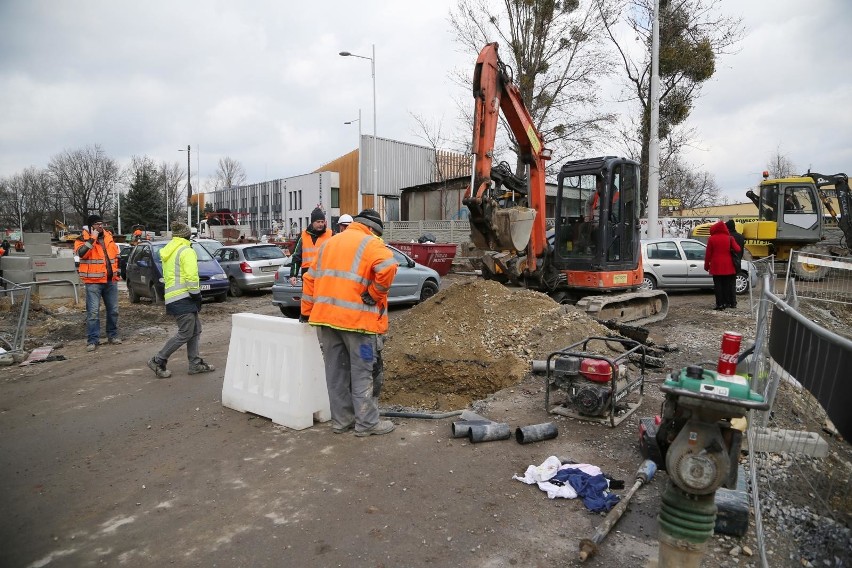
(504, 229)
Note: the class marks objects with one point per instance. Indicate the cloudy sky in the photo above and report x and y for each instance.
(262, 82)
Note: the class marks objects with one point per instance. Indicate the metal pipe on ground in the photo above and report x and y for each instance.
(461, 428)
(536, 433)
(489, 432)
(589, 546)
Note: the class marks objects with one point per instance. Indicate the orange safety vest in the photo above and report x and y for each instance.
(311, 248)
(93, 258)
(351, 263)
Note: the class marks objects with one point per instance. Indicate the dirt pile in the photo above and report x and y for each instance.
(474, 339)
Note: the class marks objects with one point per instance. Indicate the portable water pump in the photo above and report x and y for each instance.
(596, 386)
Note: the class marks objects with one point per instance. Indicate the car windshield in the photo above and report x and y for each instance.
(200, 251)
(270, 252)
(211, 246)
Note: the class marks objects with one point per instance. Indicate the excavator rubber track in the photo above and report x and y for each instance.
(636, 308)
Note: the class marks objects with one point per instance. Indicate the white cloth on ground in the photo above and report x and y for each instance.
(540, 474)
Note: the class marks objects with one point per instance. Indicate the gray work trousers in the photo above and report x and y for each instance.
(188, 333)
(350, 358)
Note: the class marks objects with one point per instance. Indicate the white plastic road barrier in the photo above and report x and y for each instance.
(275, 369)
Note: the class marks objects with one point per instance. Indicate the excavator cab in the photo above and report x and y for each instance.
(788, 217)
(597, 215)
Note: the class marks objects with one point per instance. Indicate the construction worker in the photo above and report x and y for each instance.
(98, 270)
(344, 221)
(309, 243)
(137, 235)
(345, 295)
(183, 301)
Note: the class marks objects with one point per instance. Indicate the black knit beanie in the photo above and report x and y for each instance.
(371, 218)
(317, 215)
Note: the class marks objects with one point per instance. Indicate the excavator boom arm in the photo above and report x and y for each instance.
(493, 92)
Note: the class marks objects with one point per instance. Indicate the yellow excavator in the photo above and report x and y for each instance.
(62, 233)
(791, 217)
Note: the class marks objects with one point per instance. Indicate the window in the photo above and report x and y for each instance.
(666, 250)
(694, 251)
(335, 198)
(263, 253)
(798, 200)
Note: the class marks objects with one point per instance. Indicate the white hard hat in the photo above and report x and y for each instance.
(344, 219)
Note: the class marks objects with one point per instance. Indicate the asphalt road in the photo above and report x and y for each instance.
(101, 463)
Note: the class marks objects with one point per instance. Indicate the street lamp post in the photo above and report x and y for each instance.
(358, 120)
(188, 183)
(375, 153)
(166, 183)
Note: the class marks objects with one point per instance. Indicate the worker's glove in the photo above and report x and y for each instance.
(94, 234)
(303, 318)
(367, 299)
(197, 299)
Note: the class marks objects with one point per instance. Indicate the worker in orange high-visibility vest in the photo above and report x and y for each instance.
(99, 272)
(309, 243)
(345, 295)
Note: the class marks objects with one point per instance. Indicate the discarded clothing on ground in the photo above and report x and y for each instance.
(570, 481)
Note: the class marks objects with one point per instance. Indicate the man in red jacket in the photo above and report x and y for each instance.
(719, 262)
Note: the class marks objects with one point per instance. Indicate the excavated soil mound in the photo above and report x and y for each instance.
(472, 340)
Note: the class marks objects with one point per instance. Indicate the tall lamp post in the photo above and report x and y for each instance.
(188, 184)
(358, 120)
(375, 153)
(166, 183)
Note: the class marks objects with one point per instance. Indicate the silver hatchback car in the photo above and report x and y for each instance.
(250, 266)
(412, 284)
(679, 263)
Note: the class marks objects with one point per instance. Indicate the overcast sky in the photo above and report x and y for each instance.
(262, 82)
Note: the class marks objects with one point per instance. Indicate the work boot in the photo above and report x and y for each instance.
(201, 367)
(381, 427)
(91, 347)
(159, 368)
(115, 341)
(342, 429)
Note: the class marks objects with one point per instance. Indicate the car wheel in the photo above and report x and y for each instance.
(134, 297)
(648, 282)
(742, 283)
(219, 298)
(429, 289)
(156, 297)
(290, 312)
(234, 288)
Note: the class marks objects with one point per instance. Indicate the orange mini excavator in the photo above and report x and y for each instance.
(591, 256)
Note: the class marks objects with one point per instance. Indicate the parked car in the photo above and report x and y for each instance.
(249, 266)
(145, 273)
(412, 284)
(679, 263)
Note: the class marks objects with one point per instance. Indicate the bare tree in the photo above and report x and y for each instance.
(693, 34)
(692, 187)
(229, 173)
(28, 199)
(86, 179)
(780, 166)
(171, 179)
(557, 53)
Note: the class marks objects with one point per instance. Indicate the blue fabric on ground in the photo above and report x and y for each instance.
(591, 488)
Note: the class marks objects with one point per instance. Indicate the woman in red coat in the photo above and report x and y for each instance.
(718, 262)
